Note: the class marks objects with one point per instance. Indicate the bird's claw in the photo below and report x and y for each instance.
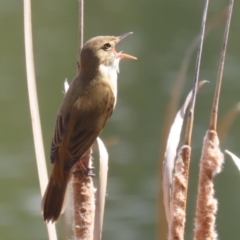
(87, 171)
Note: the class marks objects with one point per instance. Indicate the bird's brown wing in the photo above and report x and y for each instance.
(79, 145)
(85, 132)
(59, 134)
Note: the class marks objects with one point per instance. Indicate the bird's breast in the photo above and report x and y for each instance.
(109, 74)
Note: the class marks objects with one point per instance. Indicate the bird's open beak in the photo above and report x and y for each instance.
(121, 54)
(121, 37)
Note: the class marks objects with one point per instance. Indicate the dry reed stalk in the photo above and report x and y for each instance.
(179, 194)
(80, 30)
(190, 119)
(210, 164)
(214, 113)
(101, 190)
(34, 109)
(83, 199)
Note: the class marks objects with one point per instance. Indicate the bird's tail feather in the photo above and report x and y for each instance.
(53, 199)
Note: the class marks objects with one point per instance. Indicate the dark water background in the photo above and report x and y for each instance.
(163, 31)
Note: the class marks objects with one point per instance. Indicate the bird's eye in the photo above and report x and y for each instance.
(106, 46)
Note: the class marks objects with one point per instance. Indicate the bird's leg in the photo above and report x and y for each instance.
(87, 171)
(84, 164)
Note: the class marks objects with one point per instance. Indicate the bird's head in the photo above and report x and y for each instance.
(101, 50)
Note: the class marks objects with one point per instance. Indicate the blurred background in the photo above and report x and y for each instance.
(163, 31)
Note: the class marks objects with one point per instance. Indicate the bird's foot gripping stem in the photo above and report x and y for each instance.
(87, 171)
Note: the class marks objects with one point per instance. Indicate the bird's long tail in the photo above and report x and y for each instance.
(53, 199)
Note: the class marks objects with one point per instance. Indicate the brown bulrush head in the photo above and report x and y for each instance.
(83, 199)
(179, 194)
(210, 164)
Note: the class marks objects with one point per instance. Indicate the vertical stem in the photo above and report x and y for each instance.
(101, 190)
(190, 119)
(80, 30)
(34, 109)
(213, 120)
(33, 102)
(81, 26)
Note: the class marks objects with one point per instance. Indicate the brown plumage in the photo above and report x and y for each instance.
(86, 107)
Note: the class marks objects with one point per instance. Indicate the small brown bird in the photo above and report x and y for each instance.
(87, 105)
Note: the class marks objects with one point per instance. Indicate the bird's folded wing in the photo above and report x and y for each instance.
(59, 134)
(79, 143)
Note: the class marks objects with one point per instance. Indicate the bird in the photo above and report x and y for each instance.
(85, 109)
